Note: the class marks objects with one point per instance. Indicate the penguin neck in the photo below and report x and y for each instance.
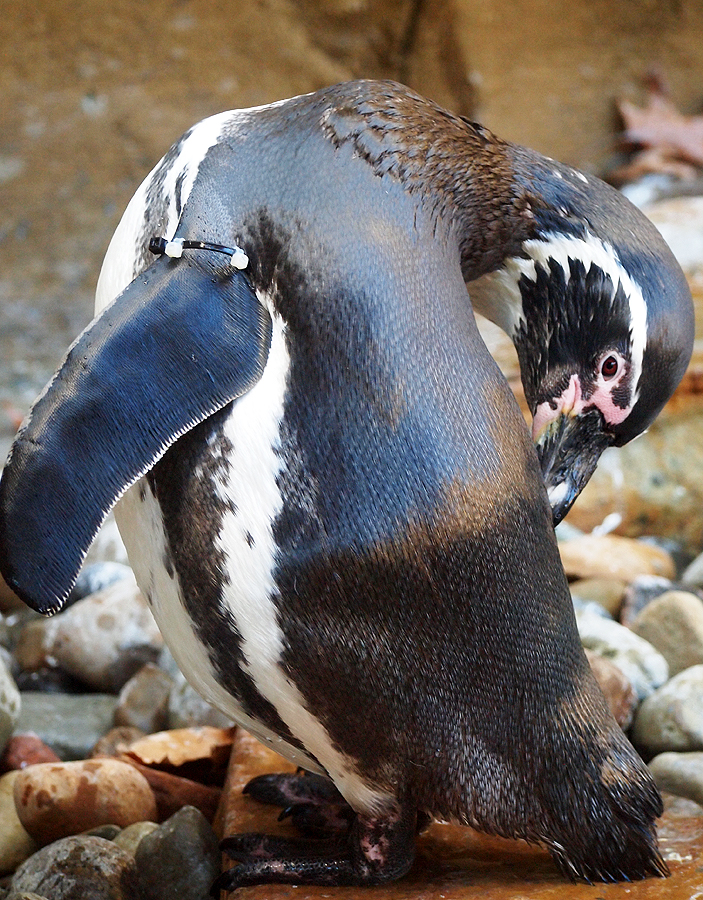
(461, 174)
(459, 171)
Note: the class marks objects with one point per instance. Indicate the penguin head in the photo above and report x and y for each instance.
(601, 317)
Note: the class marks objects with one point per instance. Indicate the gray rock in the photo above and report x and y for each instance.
(107, 546)
(130, 837)
(565, 531)
(4, 632)
(7, 659)
(97, 577)
(70, 724)
(616, 688)
(608, 593)
(80, 867)
(23, 895)
(672, 546)
(168, 664)
(9, 705)
(680, 774)
(644, 666)
(640, 592)
(109, 832)
(48, 679)
(672, 717)
(187, 709)
(16, 622)
(693, 575)
(673, 623)
(590, 607)
(32, 648)
(180, 858)
(143, 701)
(102, 640)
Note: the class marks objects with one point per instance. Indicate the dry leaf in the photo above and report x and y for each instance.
(183, 745)
(653, 161)
(659, 124)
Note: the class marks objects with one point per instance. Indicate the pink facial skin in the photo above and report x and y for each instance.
(572, 401)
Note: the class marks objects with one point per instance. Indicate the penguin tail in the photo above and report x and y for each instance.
(619, 843)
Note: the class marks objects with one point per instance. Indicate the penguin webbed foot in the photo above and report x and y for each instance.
(368, 850)
(312, 802)
(266, 859)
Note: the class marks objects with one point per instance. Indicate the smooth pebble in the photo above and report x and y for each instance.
(102, 640)
(180, 858)
(639, 592)
(187, 709)
(616, 688)
(673, 623)
(672, 717)
(55, 800)
(130, 837)
(24, 750)
(71, 724)
(607, 592)
(679, 773)
(645, 668)
(107, 545)
(81, 866)
(612, 556)
(693, 574)
(10, 705)
(143, 700)
(96, 577)
(15, 843)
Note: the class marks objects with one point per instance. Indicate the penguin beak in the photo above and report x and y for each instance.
(569, 448)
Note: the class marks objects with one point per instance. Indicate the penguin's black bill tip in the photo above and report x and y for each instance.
(568, 451)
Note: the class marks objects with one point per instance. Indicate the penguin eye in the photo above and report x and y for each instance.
(610, 367)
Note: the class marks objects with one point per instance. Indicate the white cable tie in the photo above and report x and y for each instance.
(239, 259)
(174, 248)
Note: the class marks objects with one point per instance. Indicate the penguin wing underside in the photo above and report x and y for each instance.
(180, 342)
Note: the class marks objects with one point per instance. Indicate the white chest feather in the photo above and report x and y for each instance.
(246, 543)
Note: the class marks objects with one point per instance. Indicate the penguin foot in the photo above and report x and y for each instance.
(311, 802)
(376, 849)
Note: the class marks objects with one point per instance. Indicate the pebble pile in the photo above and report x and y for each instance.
(111, 766)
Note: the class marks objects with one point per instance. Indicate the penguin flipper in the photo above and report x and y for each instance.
(180, 342)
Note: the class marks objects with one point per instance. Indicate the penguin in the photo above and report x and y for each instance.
(327, 491)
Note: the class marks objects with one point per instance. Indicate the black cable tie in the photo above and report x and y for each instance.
(175, 247)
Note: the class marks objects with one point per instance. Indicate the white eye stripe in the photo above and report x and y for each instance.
(590, 250)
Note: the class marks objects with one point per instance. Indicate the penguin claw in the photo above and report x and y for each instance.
(286, 813)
